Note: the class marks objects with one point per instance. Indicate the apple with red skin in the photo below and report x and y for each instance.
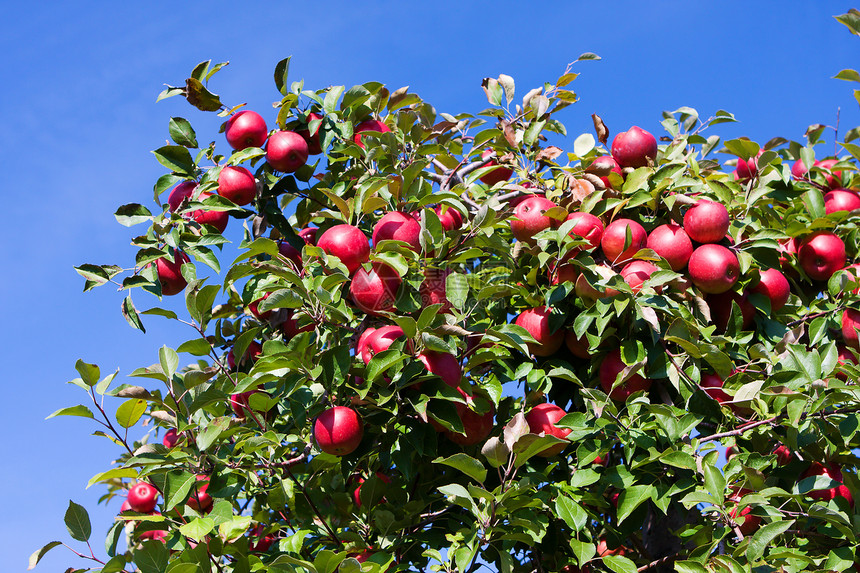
(237, 184)
(610, 368)
(434, 290)
(338, 431)
(171, 438)
(841, 200)
(450, 217)
(252, 353)
(536, 322)
(476, 427)
(199, 500)
(184, 191)
(833, 178)
(671, 242)
(713, 268)
(775, 287)
(312, 139)
(259, 543)
(378, 340)
(290, 252)
(496, 175)
(834, 472)
(246, 129)
(309, 235)
(850, 325)
(707, 221)
(397, 226)
(821, 254)
(746, 168)
(586, 226)
(125, 506)
(579, 347)
(529, 218)
(604, 165)
(286, 151)
(254, 308)
(541, 420)
(720, 306)
(368, 125)
(290, 326)
(562, 273)
(142, 497)
(747, 523)
(375, 291)
(634, 148)
(584, 289)
(154, 535)
(241, 403)
(347, 243)
(180, 192)
(169, 273)
(443, 365)
(712, 384)
(356, 494)
(635, 273)
(614, 237)
(783, 454)
(844, 356)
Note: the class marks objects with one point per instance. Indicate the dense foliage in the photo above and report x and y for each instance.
(390, 408)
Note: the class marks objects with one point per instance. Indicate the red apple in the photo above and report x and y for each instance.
(713, 386)
(259, 543)
(834, 472)
(604, 165)
(562, 273)
(833, 178)
(180, 192)
(246, 129)
(713, 268)
(799, 170)
(347, 243)
(707, 221)
(290, 326)
(542, 419)
(375, 291)
(368, 125)
(253, 352)
(169, 273)
(313, 140)
(338, 431)
(844, 356)
(614, 240)
(443, 365)
(254, 308)
(747, 523)
(309, 235)
(536, 322)
(433, 288)
(635, 273)
(171, 438)
(199, 500)
(529, 218)
(579, 347)
(587, 290)
(841, 200)
(746, 169)
(397, 226)
(142, 497)
(356, 494)
(774, 286)
(783, 454)
(671, 242)
(720, 306)
(362, 346)
(449, 217)
(496, 175)
(241, 403)
(634, 148)
(237, 184)
(184, 191)
(290, 252)
(821, 254)
(476, 427)
(610, 368)
(587, 227)
(377, 340)
(286, 151)
(850, 324)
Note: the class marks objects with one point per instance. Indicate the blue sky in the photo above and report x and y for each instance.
(80, 119)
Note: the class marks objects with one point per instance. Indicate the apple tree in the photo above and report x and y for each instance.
(447, 343)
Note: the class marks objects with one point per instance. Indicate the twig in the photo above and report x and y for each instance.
(660, 561)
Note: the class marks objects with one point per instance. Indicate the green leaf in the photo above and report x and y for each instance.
(132, 214)
(200, 97)
(169, 361)
(848, 75)
(130, 411)
(115, 473)
(619, 564)
(90, 373)
(466, 464)
(234, 528)
(78, 522)
(175, 158)
(130, 314)
(176, 487)
(39, 553)
(79, 410)
(331, 99)
(715, 482)
(689, 567)
(211, 433)
(282, 70)
(181, 132)
(326, 561)
(851, 20)
(198, 528)
(571, 512)
(197, 347)
(152, 557)
(764, 536)
(632, 497)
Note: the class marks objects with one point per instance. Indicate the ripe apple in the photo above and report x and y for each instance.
(707, 221)
(586, 290)
(246, 129)
(720, 306)
(844, 356)
(746, 169)
(635, 273)
(443, 365)
(821, 254)
(671, 242)
(587, 227)
(286, 151)
(850, 324)
(712, 384)
(542, 419)
(397, 226)
(841, 200)
(713, 268)
(347, 243)
(834, 472)
(375, 291)
(338, 431)
(237, 184)
(290, 252)
(377, 340)
(142, 497)
(610, 368)
(747, 523)
(258, 542)
(309, 235)
(774, 286)
(833, 178)
(476, 427)
(171, 438)
(536, 322)
(496, 175)
(450, 217)
(356, 494)
(241, 403)
(433, 288)
(312, 139)
(169, 273)
(199, 500)
(368, 125)
(604, 165)
(562, 273)
(783, 454)
(634, 148)
(529, 218)
(290, 326)
(579, 347)
(614, 240)
(184, 191)
(254, 308)
(155, 535)
(799, 170)
(253, 352)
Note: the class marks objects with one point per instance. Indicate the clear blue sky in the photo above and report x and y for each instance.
(78, 100)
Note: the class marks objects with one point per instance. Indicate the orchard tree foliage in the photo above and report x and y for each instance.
(449, 344)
